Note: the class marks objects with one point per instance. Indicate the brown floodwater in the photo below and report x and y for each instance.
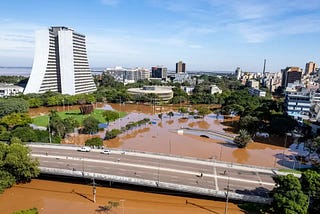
(159, 136)
(52, 197)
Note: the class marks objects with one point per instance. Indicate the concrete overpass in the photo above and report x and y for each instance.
(183, 174)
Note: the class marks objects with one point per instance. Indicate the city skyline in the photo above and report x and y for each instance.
(207, 35)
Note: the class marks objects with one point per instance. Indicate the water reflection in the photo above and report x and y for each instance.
(161, 135)
(241, 155)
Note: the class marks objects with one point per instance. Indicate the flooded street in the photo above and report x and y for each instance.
(159, 136)
(52, 197)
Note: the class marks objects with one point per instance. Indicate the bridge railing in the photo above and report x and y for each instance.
(155, 184)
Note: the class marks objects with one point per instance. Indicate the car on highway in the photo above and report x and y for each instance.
(84, 149)
(106, 151)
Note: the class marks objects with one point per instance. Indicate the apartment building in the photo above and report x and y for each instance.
(60, 63)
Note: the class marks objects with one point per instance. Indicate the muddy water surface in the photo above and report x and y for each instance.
(161, 135)
(51, 197)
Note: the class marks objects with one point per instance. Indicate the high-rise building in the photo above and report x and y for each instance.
(310, 67)
(290, 75)
(60, 63)
(159, 72)
(238, 73)
(180, 67)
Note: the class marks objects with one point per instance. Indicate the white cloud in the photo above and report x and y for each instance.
(17, 41)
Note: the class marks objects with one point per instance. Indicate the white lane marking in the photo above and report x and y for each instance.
(215, 177)
(155, 168)
(162, 157)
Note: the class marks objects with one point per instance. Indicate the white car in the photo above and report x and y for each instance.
(84, 149)
(106, 152)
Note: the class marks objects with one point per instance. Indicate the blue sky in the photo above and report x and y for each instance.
(211, 35)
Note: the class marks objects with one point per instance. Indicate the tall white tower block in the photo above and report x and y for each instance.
(60, 63)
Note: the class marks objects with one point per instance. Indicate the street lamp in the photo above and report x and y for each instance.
(94, 190)
(227, 195)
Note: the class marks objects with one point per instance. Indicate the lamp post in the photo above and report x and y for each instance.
(49, 129)
(94, 190)
(227, 195)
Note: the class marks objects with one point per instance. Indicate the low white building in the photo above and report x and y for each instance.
(188, 89)
(215, 89)
(7, 90)
(163, 93)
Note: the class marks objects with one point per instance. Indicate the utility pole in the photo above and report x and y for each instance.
(94, 190)
(49, 129)
(227, 196)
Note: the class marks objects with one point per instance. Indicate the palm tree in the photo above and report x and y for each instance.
(242, 139)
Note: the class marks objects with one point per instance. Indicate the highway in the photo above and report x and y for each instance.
(159, 168)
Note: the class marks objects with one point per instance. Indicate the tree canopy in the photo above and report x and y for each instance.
(16, 165)
(13, 105)
(288, 196)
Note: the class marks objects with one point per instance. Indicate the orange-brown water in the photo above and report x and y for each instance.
(160, 136)
(51, 197)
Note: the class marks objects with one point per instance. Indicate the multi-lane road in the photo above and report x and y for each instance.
(159, 168)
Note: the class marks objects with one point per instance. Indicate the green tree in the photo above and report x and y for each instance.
(243, 138)
(203, 111)
(250, 123)
(280, 125)
(13, 105)
(29, 211)
(112, 134)
(96, 141)
(170, 114)
(15, 140)
(26, 134)
(35, 102)
(5, 136)
(6, 180)
(110, 115)
(183, 110)
(288, 196)
(310, 182)
(90, 125)
(70, 123)
(313, 145)
(56, 125)
(55, 100)
(16, 161)
(16, 119)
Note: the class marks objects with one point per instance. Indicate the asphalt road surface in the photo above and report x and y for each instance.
(209, 174)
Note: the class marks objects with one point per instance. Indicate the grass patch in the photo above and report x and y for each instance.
(97, 113)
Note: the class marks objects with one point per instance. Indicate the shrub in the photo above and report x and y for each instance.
(112, 134)
(96, 141)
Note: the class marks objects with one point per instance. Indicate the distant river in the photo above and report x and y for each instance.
(15, 71)
(25, 71)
